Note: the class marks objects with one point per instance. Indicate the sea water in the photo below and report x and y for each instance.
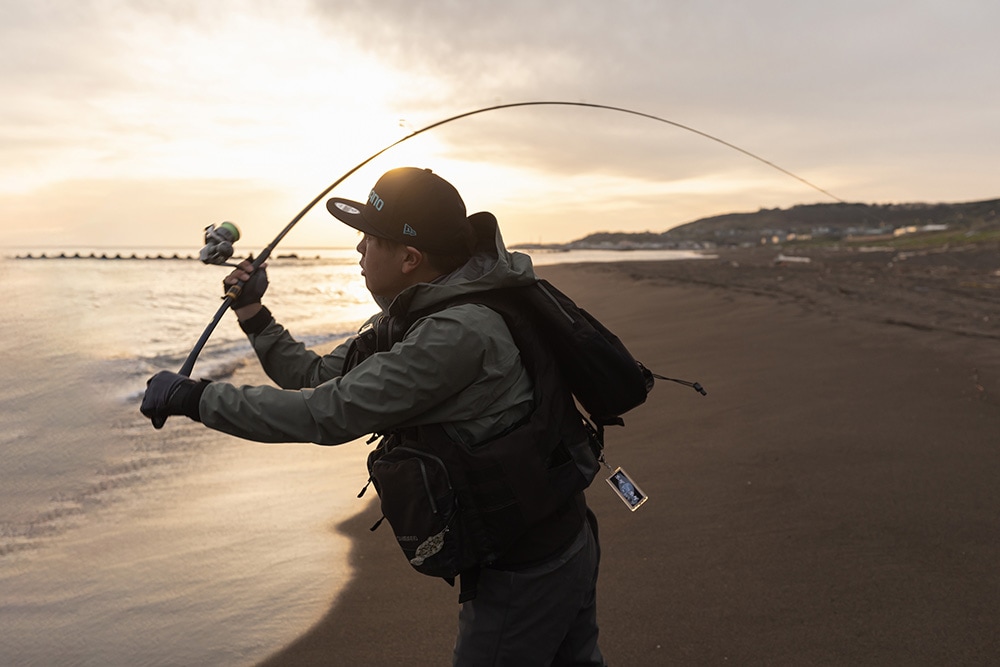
(120, 544)
(82, 336)
(123, 545)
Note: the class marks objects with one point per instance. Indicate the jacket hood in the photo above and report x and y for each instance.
(491, 266)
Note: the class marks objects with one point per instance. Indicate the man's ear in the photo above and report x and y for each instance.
(413, 260)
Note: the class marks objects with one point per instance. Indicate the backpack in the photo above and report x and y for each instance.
(601, 373)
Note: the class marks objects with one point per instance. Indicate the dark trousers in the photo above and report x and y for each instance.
(544, 615)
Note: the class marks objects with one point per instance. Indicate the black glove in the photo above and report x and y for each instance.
(169, 394)
(253, 289)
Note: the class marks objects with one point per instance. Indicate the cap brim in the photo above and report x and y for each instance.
(349, 213)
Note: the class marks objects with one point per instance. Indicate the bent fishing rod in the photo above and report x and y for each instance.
(234, 290)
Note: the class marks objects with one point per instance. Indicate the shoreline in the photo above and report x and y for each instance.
(832, 499)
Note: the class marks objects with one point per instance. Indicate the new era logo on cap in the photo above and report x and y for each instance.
(409, 231)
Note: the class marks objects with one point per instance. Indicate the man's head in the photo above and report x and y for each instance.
(416, 221)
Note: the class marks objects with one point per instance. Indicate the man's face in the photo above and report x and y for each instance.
(382, 266)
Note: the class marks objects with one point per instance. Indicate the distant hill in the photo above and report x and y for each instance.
(812, 221)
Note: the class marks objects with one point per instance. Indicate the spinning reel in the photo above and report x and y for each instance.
(219, 244)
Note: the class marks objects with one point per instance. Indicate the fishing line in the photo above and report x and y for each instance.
(234, 290)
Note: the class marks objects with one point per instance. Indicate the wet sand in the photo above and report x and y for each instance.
(833, 500)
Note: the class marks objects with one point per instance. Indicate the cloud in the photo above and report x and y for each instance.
(813, 87)
(874, 101)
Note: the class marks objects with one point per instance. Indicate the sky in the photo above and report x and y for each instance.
(136, 123)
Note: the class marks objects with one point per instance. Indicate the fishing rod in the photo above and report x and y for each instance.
(234, 290)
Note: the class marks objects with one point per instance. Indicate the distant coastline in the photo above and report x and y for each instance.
(809, 225)
(123, 256)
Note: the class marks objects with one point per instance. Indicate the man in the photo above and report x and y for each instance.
(455, 370)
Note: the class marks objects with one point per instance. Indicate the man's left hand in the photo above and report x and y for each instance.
(169, 393)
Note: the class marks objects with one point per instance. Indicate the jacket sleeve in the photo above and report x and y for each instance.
(451, 366)
(289, 363)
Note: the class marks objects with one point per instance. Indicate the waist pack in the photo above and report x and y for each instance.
(416, 491)
(455, 508)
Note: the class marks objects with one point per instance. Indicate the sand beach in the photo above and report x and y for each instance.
(832, 501)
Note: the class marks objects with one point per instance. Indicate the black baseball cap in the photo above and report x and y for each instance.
(412, 206)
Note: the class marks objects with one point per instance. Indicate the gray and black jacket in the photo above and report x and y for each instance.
(458, 367)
